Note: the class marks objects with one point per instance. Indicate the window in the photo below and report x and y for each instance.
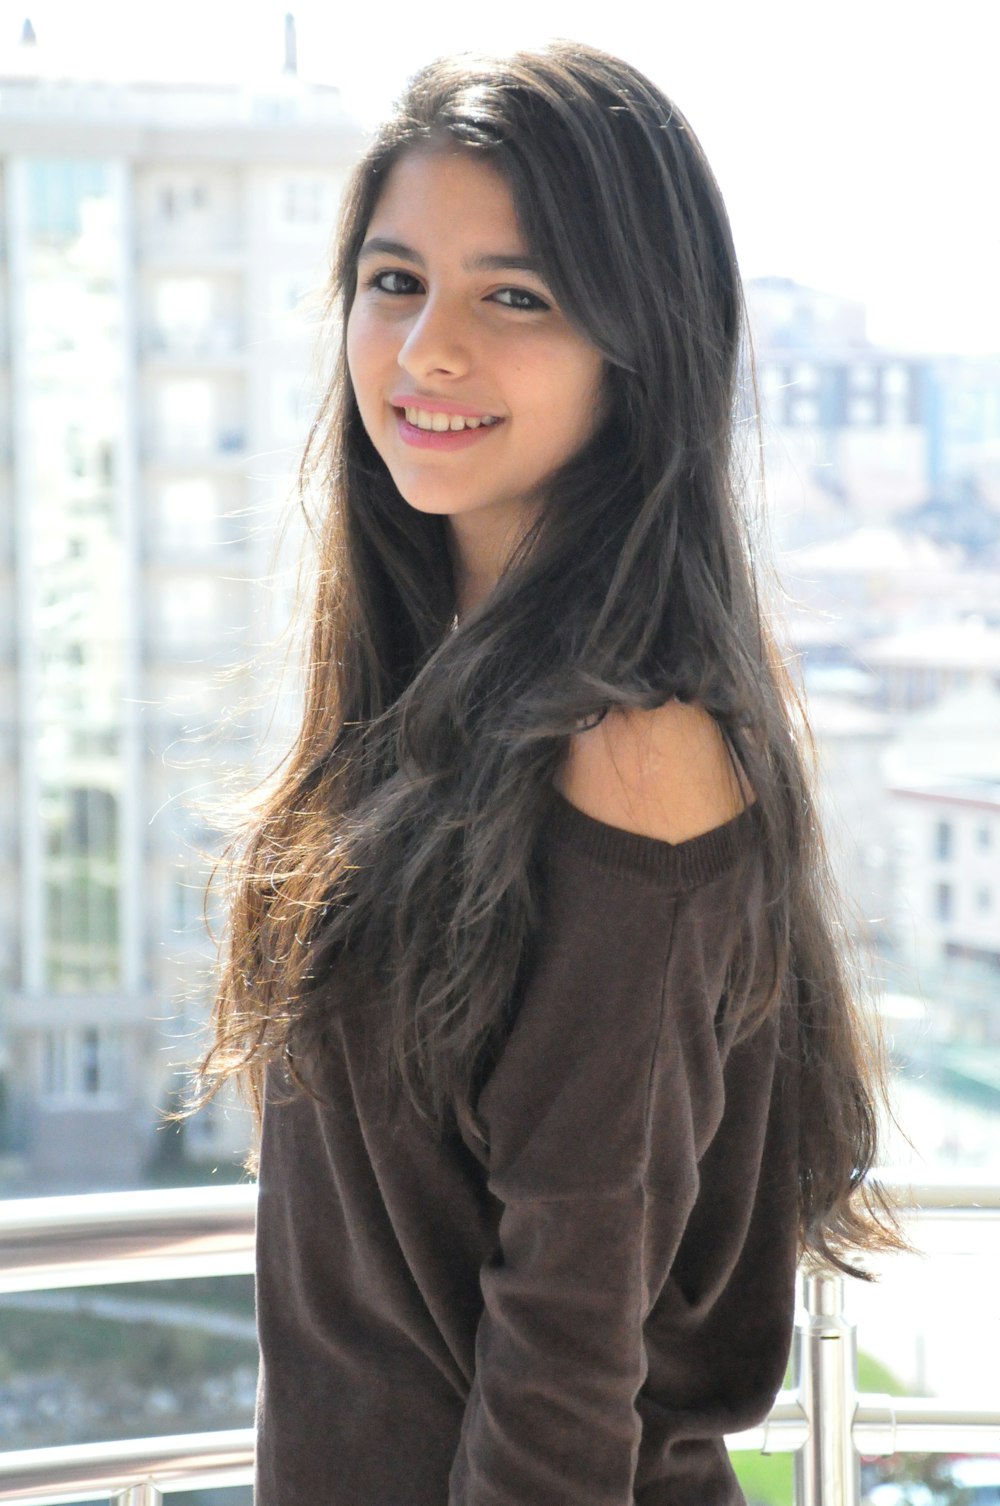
(773, 380)
(292, 406)
(294, 297)
(805, 410)
(981, 956)
(183, 313)
(91, 823)
(860, 410)
(895, 411)
(944, 901)
(303, 201)
(189, 900)
(186, 609)
(188, 513)
(177, 199)
(90, 1062)
(984, 837)
(984, 898)
(896, 381)
(82, 1066)
(187, 415)
(81, 915)
(942, 840)
(55, 1063)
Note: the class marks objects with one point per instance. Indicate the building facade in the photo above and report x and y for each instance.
(157, 245)
(845, 422)
(854, 431)
(941, 775)
(947, 900)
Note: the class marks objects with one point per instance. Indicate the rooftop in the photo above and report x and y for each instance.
(961, 643)
(872, 549)
(982, 792)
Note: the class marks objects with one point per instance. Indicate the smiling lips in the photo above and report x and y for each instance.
(425, 418)
(441, 427)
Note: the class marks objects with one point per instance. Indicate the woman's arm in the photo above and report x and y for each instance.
(664, 773)
(605, 1096)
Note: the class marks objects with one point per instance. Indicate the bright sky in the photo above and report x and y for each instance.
(856, 145)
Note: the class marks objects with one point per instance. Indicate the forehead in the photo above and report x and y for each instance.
(446, 194)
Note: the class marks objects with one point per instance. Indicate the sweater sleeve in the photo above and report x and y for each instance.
(606, 1093)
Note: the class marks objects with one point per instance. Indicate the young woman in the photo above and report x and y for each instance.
(536, 973)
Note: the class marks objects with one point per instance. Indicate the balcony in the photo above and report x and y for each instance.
(100, 1239)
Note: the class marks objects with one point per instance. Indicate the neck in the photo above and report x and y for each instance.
(480, 547)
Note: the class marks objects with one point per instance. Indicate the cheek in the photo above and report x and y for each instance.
(590, 401)
(365, 352)
(354, 349)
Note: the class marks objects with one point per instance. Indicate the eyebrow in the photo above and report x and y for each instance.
(511, 261)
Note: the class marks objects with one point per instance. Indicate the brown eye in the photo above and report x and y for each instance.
(394, 282)
(520, 298)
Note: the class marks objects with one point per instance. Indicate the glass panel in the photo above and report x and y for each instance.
(74, 356)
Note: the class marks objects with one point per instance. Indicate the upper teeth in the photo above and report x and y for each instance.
(440, 422)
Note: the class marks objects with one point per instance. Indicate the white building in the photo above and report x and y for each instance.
(965, 408)
(920, 665)
(948, 894)
(876, 571)
(846, 423)
(942, 773)
(855, 817)
(855, 432)
(156, 244)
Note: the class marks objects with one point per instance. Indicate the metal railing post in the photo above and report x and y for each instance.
(145, 1493)
(827, 1467)
(99, 1239)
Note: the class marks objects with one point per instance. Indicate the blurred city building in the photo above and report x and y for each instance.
(160, 246)
(882, 496)
(157, 246)
(919, 666)
(855, 433)
(852, 736)
(942, 773)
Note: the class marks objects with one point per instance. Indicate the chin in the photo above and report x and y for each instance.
(435, 500)
(431, 503)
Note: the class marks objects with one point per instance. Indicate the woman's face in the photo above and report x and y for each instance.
(473, 386)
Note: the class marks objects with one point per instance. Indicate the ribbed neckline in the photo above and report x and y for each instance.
(681, 865)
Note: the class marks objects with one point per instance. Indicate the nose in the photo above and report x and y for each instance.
(439, 341)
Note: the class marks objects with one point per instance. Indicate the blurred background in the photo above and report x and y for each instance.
(169, 182)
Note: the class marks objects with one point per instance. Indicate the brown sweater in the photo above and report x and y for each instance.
(579, 1317)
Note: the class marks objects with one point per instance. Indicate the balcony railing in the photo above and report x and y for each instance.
(100, 1239)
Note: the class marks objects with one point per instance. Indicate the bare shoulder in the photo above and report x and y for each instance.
(664, 773)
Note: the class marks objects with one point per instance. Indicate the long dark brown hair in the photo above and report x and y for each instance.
(401, 832)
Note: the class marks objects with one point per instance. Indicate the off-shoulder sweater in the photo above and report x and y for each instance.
(578, 1314)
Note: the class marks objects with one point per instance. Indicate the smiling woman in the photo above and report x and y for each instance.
(534, 950)
(474, 392)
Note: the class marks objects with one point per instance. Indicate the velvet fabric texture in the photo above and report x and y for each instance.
(578, 1315)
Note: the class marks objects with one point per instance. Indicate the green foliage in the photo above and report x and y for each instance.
(144, 1354)
(230, 1294)
(767, 1479)
(80, 1376)
(172, 1170)
(873, 1376)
